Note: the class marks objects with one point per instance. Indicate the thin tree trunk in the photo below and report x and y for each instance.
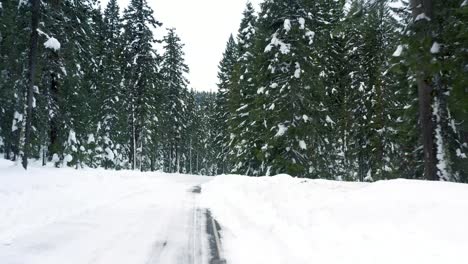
(133, 138)
(427, 127)
(190, 157)
(425, 90)
(35, 10)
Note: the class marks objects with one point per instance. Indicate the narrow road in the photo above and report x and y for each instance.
(159, 225)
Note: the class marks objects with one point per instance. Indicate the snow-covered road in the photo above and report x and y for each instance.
(158, 222)
(67, 216)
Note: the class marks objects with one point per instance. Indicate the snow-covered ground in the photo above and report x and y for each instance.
(284, 220)
(50, 216)
(56, 216)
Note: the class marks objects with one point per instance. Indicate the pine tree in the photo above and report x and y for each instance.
(173, 71)
(433, 40)
(138, 71)
(223, 101)
(244, 120)
(113, 124)
(12, 69)
(288, 87)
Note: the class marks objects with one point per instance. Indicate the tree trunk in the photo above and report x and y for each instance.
(427, 127)
(35, 10)
(425, 95)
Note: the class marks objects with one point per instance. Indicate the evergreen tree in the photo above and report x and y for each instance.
(139, 70)
(113, 124)
(433, 43)
(244, 125)
(288, 88)
(173, 71)
(223, 101)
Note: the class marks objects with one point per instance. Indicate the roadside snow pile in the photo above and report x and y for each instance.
(40, 196)
(278, 220)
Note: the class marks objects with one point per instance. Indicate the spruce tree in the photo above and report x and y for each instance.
(288, 87)
(138, 70)
(173, 71)
(113, 124)
(243, 121)
(223, 111)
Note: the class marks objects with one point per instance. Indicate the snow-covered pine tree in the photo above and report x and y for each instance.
(450, 111)
(175, 83)
(222, 109)
(246, 143)
(140, 67)
(288, 86)
(329, 74)
(113, 120)
(435, 46)
(373, 145)
(13, 62)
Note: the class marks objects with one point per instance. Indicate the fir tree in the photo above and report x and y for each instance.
(244, 120)
(138, 71)
(223, 101)
(288, 87)
(173, 71)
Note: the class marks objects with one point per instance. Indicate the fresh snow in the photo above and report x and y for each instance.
(301, 23)
(398, 51)
(435, 48)
(71, 137)
(22, 2)
(287, 25)
(329, 120)
(278, 220)
(311, 35)
(276, 42)
(53, 44)
(281, 130)
(57, 216)
(302, 144)
(297, 73)
(422, 16)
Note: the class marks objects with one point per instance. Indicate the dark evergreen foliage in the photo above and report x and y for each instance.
(348, 90)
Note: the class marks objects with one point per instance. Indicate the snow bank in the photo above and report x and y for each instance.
(278, 220)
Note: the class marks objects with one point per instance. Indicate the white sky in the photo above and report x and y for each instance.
(204, 27)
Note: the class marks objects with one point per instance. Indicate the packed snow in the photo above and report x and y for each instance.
(53, 44)
(281, 219)
(53, 216)
(56, 216)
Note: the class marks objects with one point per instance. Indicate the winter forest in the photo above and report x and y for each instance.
(357, 90)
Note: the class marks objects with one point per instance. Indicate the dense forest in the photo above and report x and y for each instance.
(359, 90)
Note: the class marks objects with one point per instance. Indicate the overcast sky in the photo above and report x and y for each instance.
(204, 27)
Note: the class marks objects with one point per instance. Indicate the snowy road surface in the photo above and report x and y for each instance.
(157, 221)
(66, 216)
